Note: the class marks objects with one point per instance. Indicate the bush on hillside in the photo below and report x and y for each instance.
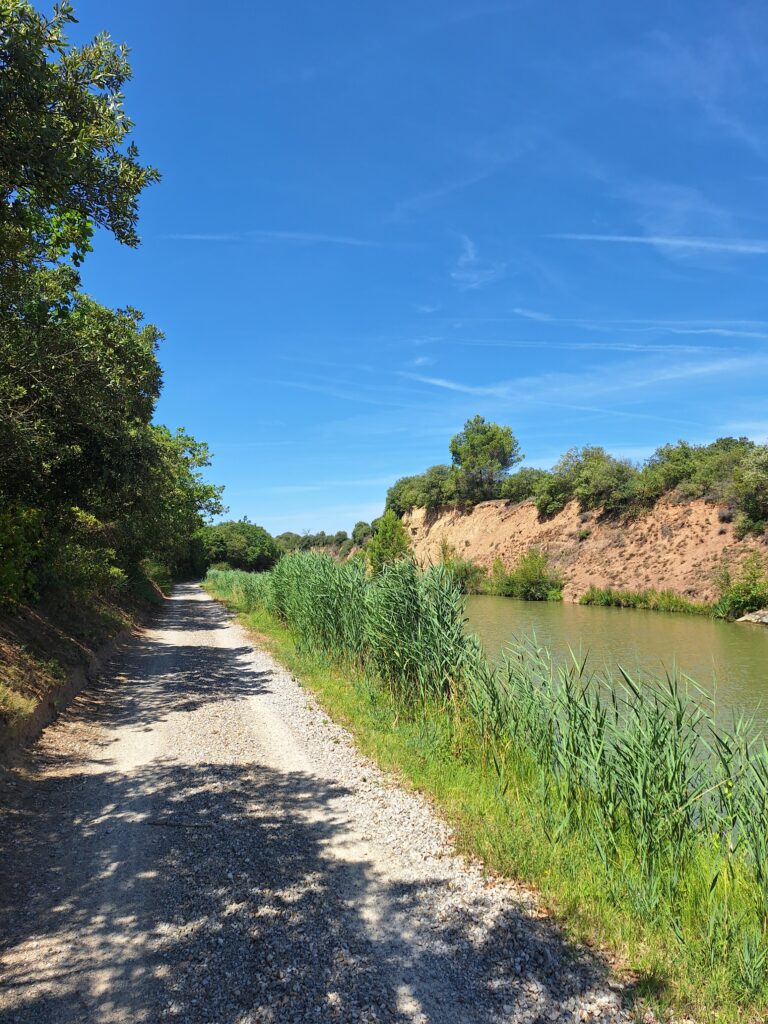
(522, 484)
(389, 542)
(242, 545)
(743, 590)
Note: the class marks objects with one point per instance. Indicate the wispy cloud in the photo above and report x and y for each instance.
(203, 237)
(470, 272)
(720, 76)
(263, 235)
(428, 198)
(740, 246)
(531, 314)
(561, 388)
(618, 345)
(720, 332)
(312, 238)
(495, 390)
(428, 307)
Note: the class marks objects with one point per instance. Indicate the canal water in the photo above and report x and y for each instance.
(727, 659)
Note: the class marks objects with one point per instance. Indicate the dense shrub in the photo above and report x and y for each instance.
(650, 600)
(552, 494)
(242, 545)
(522, 484)
(20, 541)
(603, 482)
(742, 590)
(532, 578)
(471, 578)
(750, 489)
(389, 542)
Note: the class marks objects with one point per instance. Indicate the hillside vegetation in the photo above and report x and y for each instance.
(732, 472)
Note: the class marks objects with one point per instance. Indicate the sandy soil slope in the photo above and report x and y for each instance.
(675, 546)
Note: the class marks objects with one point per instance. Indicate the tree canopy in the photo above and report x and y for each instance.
(89, 485)
(389, 542)
(64, 165)
(242, 545)
(483, 453)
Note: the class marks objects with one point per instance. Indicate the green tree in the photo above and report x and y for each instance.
(602, 482)
(403, 495)
(289, 541)
(522, 484)
(64, 165)
(436, 487)
(750, 490)
(243, 545)
(89, 486)
(389, 542)
(361, 534)
(556, 489)
(483, 453)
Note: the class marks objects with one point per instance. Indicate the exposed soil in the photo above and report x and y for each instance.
(676, 546)
(194, 840)
(48, 653)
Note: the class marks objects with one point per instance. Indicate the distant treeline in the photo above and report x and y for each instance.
(732, 471)
(340, 542)
(244, 545)
(94, 496)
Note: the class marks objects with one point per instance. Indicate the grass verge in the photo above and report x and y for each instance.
(649, 600)
(513, 832)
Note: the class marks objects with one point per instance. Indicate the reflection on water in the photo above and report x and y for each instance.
(727, 659)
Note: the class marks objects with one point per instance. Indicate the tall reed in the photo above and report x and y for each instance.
(674, 808)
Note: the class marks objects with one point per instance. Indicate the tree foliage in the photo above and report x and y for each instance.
(483, 453)
(64, 165)
(389, 542)
(242, 545)
(90, 487)
(731, 470)
(361, 534)
(521, 485)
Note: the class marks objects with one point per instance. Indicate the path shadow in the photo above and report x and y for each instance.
(210, 892)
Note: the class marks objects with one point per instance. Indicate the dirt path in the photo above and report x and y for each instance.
(195, 841)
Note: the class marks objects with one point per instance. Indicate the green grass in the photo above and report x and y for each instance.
(643, 828)
(13, 705)
(650, 600)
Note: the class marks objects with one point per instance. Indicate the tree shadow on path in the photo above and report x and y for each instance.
(229, 893)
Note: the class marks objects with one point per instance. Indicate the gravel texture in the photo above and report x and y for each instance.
(195, 841)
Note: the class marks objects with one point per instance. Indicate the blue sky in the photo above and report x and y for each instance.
(378, 220)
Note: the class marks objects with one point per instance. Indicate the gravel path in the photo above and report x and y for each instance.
(195, 841)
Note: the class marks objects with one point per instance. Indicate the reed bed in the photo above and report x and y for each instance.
(650, 600)
(670, 810)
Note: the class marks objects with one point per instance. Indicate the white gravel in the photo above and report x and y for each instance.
(196, 841)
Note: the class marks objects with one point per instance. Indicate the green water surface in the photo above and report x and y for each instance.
(729, 660)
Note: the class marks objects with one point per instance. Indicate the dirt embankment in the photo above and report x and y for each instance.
(676, 546)
(51, 651)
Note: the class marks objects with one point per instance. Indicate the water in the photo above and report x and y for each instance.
(727, 659)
